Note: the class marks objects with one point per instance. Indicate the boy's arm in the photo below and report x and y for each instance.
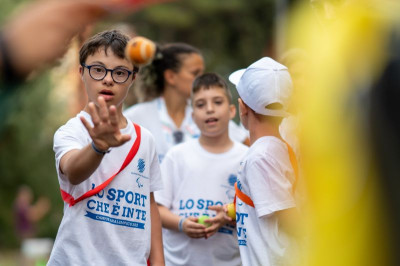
(156, 251)
(189, 225)
(78, 165)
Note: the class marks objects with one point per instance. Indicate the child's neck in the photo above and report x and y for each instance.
(263, 130)
(216, 144)
(176, 106)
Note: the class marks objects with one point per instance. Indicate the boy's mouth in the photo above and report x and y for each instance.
(107, 94)
(211, 120)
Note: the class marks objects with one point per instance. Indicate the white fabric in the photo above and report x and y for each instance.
(288, 129)
(267, 177)
(153, 115)
(113, 227)
(194, 179)
(263, 83)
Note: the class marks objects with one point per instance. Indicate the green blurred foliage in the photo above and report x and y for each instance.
(230, 33)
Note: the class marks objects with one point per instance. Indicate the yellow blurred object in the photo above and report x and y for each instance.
(345, 216)
(231, 211)
(140, 50)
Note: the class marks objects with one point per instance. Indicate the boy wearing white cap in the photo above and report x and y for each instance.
(265, 205)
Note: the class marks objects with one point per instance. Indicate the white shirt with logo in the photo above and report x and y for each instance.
(267, 177)
(194, 179)
(112, 227)
(153, 115)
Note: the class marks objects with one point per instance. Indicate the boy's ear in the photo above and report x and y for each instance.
(243, 109)
(81, 70)
(232, 111)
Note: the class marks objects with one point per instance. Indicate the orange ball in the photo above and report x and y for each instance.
(140, 51)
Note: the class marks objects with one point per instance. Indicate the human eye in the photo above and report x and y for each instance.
(120, 72)
(98, 69)
(196, 73)
(218, 101)
(199, 104)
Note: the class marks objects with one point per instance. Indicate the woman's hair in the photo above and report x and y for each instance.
(169, 56)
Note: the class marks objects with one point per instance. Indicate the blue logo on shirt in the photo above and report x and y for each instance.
(141, 165)
(232, 179)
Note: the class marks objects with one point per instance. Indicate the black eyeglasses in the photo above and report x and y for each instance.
(119, 75)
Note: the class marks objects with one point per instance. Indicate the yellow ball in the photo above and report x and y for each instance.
(140, 50)
(201, 220)
(231, 211)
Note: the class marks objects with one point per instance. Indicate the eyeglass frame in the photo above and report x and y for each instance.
(135, 70)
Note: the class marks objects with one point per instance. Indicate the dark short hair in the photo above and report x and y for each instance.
(113, 39)
(208, 80)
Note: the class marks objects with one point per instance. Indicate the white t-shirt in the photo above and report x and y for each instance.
(114, 226)
(267, 177)
(289, 131)
(153, 115)
(194, 179)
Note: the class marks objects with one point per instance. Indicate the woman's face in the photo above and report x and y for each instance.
(192, 66)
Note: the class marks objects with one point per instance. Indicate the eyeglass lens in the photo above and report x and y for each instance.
(119, 75)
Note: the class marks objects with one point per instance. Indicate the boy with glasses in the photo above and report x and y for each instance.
(107, 169)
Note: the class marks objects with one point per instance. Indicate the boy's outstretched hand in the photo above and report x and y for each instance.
(217, 221)
(105, 132)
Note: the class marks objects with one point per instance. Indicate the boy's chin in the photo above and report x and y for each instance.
(212, 134)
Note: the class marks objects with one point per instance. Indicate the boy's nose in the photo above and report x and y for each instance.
(108, 78)
(210, 107)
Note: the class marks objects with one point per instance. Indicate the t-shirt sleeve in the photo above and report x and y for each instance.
(66, 139)
(270, 189)
(165, 196)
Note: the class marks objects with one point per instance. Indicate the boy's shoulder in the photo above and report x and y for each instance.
(145, 133)
(268, 148)
(185, 147)
(240, 147)
(74, 123)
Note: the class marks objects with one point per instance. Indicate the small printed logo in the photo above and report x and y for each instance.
(230, 191)
(141, 165)
(232, 180)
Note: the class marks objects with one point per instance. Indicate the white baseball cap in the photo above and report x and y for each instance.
(263, 83)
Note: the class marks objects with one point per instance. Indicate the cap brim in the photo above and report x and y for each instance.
(235, 76)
